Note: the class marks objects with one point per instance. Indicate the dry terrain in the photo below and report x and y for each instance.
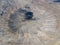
(42, 29)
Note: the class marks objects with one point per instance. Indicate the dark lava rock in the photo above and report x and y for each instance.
(28, 15)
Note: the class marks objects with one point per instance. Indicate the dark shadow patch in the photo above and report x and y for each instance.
(1, 14)
(56, 1)
(13, 16)
(11, 22)
(27, 6)
(21, 10)
(12, 26)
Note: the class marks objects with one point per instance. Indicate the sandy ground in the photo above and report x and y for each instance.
(43, 29)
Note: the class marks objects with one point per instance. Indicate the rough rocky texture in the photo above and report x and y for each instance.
(43, 29)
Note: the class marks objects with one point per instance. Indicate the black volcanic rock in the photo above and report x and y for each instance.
(28, 15)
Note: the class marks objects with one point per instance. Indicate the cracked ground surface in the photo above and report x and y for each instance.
(42, 29)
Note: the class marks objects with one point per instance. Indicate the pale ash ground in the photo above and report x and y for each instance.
(44, 30)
